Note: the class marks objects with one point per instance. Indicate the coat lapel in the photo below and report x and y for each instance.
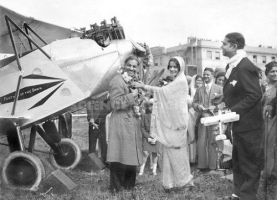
(225, 88)
(203, 90)
(212, 91)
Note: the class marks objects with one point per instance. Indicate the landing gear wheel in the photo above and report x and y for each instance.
(23, 170)
(71, 155)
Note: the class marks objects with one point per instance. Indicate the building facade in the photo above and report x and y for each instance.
(201, 53)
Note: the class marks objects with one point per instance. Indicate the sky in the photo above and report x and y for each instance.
(162, 22)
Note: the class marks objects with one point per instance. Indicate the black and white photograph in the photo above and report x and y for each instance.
(138, 100)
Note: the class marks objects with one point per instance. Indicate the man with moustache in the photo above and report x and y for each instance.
(202, 102)
(242, 94)
(124, 138)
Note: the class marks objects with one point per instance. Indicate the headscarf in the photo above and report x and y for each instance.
(170, 111)
(192, 86)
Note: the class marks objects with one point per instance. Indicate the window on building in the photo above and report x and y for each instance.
(194, 53)
(217, 55)
(209, 54)
(156, 62)
(254, 58)
(273, 58)
(264, 59)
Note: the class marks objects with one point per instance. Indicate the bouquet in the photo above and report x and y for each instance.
(138, 100)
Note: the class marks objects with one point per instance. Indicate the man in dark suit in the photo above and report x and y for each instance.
(97, 110)
(202, 102)
(242, 94)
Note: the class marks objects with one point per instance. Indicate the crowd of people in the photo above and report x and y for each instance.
(169, 128)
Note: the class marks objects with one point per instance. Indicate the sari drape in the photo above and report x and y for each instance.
(169, 122)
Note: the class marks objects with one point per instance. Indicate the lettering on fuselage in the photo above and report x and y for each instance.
(30, 91)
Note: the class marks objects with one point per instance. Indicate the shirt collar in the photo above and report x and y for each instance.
(209, 84)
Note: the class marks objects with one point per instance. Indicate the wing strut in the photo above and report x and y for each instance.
(8, 21)
(27, 27)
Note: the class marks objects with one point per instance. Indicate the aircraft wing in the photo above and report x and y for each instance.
(48, 32)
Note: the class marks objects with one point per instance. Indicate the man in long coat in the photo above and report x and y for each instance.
(124, 143)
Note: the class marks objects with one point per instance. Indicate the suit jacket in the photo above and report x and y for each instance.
(243, 94)
(202, 98)
(125, 143)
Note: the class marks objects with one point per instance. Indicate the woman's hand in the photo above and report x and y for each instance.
(138, 84)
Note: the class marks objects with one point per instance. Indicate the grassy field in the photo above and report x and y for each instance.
(93, 184)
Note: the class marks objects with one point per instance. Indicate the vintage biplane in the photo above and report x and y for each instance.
(53, 69)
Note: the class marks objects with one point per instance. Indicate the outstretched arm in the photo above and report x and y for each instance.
(146, 87)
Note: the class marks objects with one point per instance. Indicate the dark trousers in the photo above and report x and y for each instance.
(99, 134)
(122, 176)
(247, 163)
(102, 141)
(93, 135)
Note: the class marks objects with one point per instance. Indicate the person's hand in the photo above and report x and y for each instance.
(216, 96)
(138, 84)
(217, 99)
(134, 92)
(201, 108)
(221, 106)
(92, 123)
(212, 107)
(267, 111)
(149, 139)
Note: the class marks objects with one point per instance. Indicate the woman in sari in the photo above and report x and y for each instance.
(169, 122)
(270, 120)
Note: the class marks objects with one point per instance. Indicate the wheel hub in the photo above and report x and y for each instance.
(67, 157)
(21, 172)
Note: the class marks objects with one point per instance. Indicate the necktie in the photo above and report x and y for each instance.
(207, 89)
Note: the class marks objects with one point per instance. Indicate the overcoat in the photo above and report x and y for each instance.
(125, 142)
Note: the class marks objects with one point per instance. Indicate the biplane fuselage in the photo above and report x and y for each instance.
(77, 70)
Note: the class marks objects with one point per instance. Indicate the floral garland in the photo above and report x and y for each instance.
(138, 100)
(148, 57)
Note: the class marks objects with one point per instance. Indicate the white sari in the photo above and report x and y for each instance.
(169, 122)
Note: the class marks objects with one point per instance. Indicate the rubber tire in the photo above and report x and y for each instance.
(77, 151)
(36, 163)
